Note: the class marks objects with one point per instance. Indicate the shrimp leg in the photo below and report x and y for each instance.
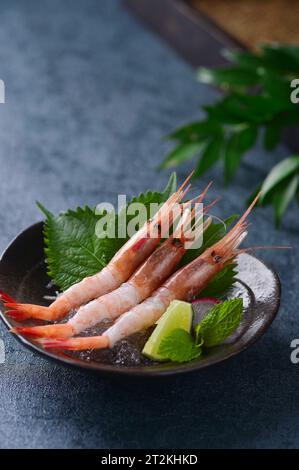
(119, 269)
(153, 272)
(183, 285)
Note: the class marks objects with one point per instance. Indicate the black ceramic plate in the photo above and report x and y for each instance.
(23, 276)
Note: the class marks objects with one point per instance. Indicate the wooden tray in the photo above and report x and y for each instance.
(196, 38)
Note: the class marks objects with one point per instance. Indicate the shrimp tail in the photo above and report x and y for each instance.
(63, 330)
(20, 312)
(14, 312)
(24, 311)
(17, 315)
(75, 344)
(6, 298)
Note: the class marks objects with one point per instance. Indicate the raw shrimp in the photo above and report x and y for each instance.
(183, 285)
(144, 281)
(119, 269)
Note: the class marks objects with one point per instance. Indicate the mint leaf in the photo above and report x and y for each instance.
(179, 346)
(221, 322)
(73, 250)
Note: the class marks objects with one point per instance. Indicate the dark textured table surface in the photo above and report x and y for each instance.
(89, 95)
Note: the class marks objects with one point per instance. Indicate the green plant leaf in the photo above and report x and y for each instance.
(280, 171)
(179, 346)
(230, 77)
(195, 131)
(221, 322)
(232, 157)
(247, 137)
(283, 58)
(278, 89)
(241, 109)
(259, 108)
(288, 118)
(284, 196)
(171, 187)
(257, 97)
(244, 59)
(45, 211)
(210, 155)
(272, 136)
(253, 196)
(280, 187)
(180, 154)
(228, 111)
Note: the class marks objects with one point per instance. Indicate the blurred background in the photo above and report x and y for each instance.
(93, 87)
(247, 22)
(252, 53)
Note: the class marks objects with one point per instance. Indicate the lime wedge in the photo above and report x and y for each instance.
(178, 315)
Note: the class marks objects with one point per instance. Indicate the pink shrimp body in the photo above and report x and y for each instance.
(145, 280)
(120, 268)
(183, 285)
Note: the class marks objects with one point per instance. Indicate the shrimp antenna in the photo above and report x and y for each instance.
(182, 195)
(198, 229)
(247, 212)
(202, 195)
(235, 236)
(265, 247)
(185, 182)
(198, 199)
(196, 217)
(212, 204)
(200, 213)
